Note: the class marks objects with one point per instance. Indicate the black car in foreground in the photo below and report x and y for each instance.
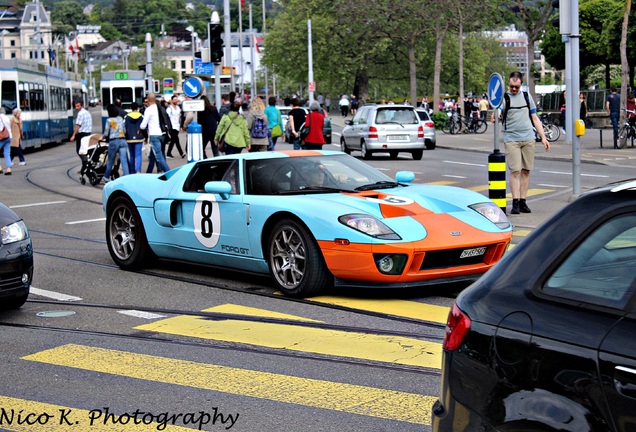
(546, 340)
(16, 260)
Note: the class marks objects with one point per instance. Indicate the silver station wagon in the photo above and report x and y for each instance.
(384, 129)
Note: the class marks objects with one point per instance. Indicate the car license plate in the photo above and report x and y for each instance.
(468, 253)
(397, 138)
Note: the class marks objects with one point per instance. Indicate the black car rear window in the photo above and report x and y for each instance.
(601, 270)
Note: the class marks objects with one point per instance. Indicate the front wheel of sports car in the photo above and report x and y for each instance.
(125, 234)
(295, 261)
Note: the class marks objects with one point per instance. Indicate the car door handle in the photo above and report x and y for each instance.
(625, 381)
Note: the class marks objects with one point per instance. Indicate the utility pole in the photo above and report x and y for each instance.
(265, 67)
(228, 40)
(149, 82)
(254, 90)
(310, 56)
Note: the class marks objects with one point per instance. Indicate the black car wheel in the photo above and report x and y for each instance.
(295, 261)
(417, 154)
(125, 234)
(393, 154)
(366, 154)
(343, 147)
(430, 145)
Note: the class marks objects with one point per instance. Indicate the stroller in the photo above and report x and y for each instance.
(94, 156)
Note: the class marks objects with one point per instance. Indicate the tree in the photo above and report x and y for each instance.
(66, 15)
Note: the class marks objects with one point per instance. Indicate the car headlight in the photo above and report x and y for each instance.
(15, 232)
(369, 225)
(493, 213)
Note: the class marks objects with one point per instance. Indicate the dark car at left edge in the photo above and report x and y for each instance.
(544, 341)
(16, 260)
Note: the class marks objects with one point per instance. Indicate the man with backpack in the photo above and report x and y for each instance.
(260, 135)
(518, 114)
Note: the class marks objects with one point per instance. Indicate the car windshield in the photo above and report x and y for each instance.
(310, 174)
(400, 115)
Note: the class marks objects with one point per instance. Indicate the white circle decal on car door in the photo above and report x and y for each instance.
(206, 220)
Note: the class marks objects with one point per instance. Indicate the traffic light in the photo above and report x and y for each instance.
(563, 21)
(215, 31)
(156, 86)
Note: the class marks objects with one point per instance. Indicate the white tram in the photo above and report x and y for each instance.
(45, 95)
(126, 85)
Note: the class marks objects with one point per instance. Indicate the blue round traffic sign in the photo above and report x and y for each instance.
(193, 87)
(495, 90)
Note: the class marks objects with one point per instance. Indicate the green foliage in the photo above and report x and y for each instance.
(439, 118)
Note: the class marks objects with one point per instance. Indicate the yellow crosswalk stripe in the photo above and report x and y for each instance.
(403, 308)
(521, 233)
(388, 349)
(32, 416)
(350, 398)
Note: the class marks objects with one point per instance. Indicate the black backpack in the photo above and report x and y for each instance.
(164, 120)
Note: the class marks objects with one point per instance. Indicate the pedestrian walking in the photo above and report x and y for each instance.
(344, 105)
(613, 108)
(174, 114)
(232, 135)
(295, 121)
(316, 122)
(17, 135)
(5, 142)
(209, 120)
(519, 114)
(134, 138)
(83, 125)
(156, 135)
(328, 103)
(114, 133)
(274, 121)
(257, 123)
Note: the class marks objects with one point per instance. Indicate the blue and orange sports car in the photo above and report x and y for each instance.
(311, 219)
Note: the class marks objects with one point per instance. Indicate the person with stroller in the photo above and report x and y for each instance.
(114, 133)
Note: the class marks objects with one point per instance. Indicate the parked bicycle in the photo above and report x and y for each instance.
(628, 130)
(472, 125)
(551, 131)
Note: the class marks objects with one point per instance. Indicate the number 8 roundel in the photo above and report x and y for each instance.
(206, 220)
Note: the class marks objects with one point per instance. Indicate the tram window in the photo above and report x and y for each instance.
(139, 95)
(24, 96)
(105, 97)
(125, 95)
(9, 96)
(67, 98)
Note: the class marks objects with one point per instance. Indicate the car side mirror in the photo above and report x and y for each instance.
(222, 188)
(404, 176)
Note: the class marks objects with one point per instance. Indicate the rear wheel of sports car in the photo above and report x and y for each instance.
(343, 147)
(295, 261)
(125, 234)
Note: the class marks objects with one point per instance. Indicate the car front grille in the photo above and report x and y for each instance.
(450, 258)
(7, 283)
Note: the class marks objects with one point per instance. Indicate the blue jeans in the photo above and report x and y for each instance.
(157, 155)
(5, 146)
(134, 157)
(614, 119)
(115, 147)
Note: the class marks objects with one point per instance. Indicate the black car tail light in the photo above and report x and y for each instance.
(457, 327)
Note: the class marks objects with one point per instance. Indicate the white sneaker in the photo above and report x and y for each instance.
(22, 163)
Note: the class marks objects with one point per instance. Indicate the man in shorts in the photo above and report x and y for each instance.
(519, 139)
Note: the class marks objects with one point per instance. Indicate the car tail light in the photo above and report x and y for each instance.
(429, 124)
(373, 132)
(457, 327)
(420, 132)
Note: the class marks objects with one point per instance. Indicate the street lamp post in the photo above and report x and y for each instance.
(193, 37)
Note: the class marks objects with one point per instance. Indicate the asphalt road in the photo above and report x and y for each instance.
(200, 344)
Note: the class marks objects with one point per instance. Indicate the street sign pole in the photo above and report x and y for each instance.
(496, 160)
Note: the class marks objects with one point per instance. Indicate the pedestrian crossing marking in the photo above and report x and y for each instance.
(387, 349)
(255, 312)
(57, 417)
(396, 307)
(521, 233)
(343, 397)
